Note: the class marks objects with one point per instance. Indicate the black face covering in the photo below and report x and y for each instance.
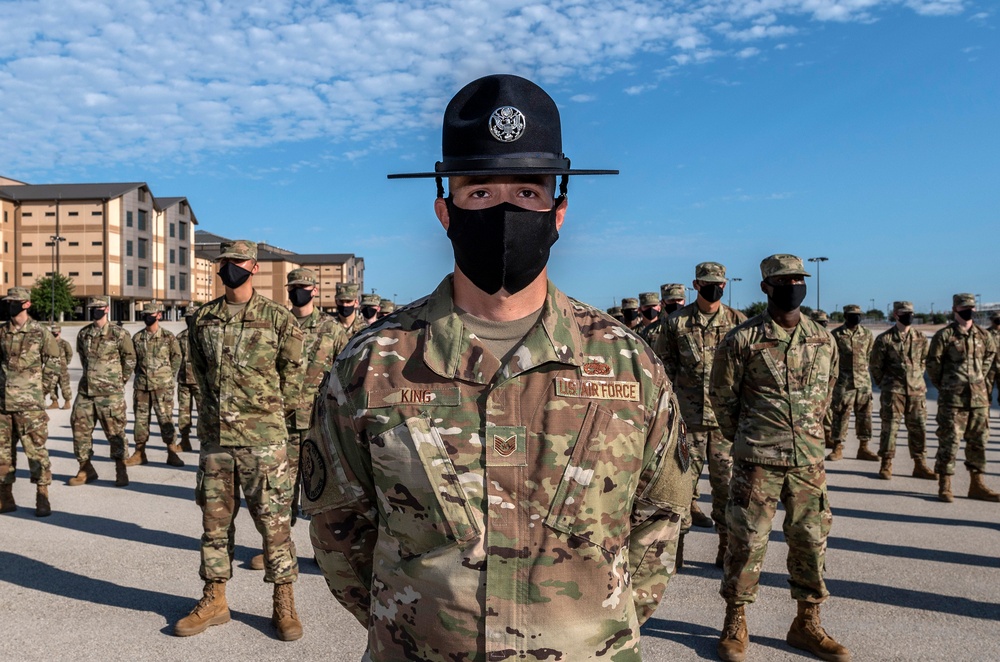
(906, 319)
(649, 313)
(14, 308)
(852, 319)
(233, 275)
(99, 314)
(300, 296)
(670, 307)
(149, 319)
(368, 312)
(504, 246)
(787, 298)
(345, 311)
(711, 293)
(630, 315)
(965, 314)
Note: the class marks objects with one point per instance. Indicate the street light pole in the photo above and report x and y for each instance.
(52, 278)
(818, 261)
(732, 280)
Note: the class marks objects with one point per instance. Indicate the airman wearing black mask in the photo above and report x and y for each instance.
(347, 309)
(630, 311)
(853, 391)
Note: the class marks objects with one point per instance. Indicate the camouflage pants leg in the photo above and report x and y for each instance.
(142, 407)
(912, 410)
(112, 414)
(262, 474)
(31, 428)
(163, 405)
(64, 386)
(720, 472)
(697, 441)
(186, 396)
(828, 427)
(954, 424)
(860, 402)
(754, 493)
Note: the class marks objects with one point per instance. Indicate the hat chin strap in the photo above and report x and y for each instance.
(563, 186)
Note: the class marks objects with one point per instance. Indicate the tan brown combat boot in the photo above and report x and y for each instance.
(42, 506)
(837, 453)
(67, 405)
(7, 504)
(54, 404)
(121, 474)
(212, 609)
(86, 474)
(978, 489)
(679, 555)
(720, 557)
(864, 453)
(137, 457)
(920, 469)
(944, 488)
(186, 441)
(285, 619)
(700, 519)
(257, 562)
(735, 637)
(173, 459)
(885, 471)
(807, 634)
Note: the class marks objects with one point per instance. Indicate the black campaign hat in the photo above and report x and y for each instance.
(502, 125)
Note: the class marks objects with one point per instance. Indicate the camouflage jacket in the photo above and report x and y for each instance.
(651, 332)
(58, 364)
(771, 389)
(356, 326)
(468, 510)
(855, 349)
(249, 370)
(897, 363)
(66, 350)
(687, 349)
(24, 355)
(157, 358)
(958, 363)
(323, 338)
(993, 378)
(108, 359)
(185, 374)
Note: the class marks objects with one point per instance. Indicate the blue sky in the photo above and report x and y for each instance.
(865, 131)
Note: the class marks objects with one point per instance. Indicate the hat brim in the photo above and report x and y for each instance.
(234, 256)
(712, 279)
(499, 172)
(301, 282)
(790, 272)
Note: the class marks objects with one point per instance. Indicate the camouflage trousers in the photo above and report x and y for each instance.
(754, 494)
(187, 399)
(31, 428)
(954, 424)
(262, 473)
(143, 404)
(912, 410)
(844, 402)
(56, 382)
(110, 411)
(710, 442)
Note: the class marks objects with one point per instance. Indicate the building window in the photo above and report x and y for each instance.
(172, 230)
(142, 276)
(74, 243)
(74, 273)
(142, 219)
(97, 273)
(128, 219)
(172, 256)
(50, 213)
(49, 244)
(182, 280)
(25, 214)
(183, 208)
(184, 231)
(128, 248)
(142, 249)
(5, 249)
(25, 274)
(142, 195)
(5, 217)
(183, 257)
(26, 244)
(74, 213)
(97, 243)
(6, 277)
(97, 213)
(173, 283)
(48, 274)
(128, 277)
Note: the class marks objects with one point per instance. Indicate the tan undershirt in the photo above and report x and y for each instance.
(500, 338)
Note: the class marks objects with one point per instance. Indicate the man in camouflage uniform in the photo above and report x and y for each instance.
(158, 357)
(821, 318)
(687, 349)
(385, 307)
(993, 381)
(26, 347)
(853, 391)
(671, 300)
(960, 357)
(897, 366)
(495, 471)
(772, 382)
(246, 351)
(616, 313)
(347, 309)
(630, 313)
(370, 308)
(649, 312)
(108, 360)
(57, 372)
(187, 384)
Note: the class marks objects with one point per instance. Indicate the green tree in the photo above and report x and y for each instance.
(756, 308)
(41, 297)
(875, 313)
(806, 310)
(939, 318)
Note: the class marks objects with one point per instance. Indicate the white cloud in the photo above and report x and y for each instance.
(122, 81)
(582, 98)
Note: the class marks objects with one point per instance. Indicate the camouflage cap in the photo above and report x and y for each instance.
(670, 291)
(710, 272)
(963, 300)
(852, 308)
(347, 291)
(630, 303)
(782, 264)
(370, 299)
(649, 299)
(18, 294)
(902, 306)
(615, 310)
(995, 317)
(821, 316)
(192, 309)
(301, 276)
(386, 305)
(240, 249)
(55, 328)
(152, 307)
(99, 302)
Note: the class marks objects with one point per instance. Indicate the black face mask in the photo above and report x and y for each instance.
(852, 319)
(630, 315)
(14, 308)
(149, 320)
(906, 319)
(787, 298)
(504, 246)
(965, 314)
(670, 307)
(233, 275)
(345, 311)
(649, 313)
(711, 293)
(300, 296)
(99, 314)
(368, 312)
(824, 324)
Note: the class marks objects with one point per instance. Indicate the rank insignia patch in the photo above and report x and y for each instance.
(313, 470)
(504, 446)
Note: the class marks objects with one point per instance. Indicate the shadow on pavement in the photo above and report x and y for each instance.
(915, 553)
(912, 519)
(703, 640)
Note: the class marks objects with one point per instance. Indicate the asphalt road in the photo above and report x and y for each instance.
(107, 575)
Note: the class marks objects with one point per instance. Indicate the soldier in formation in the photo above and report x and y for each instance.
(687, 347)
(385, 307)
(158, 358)
(616, 313)
(853, 391)
(960, 358)
(347, 309)
(370, 308)
(771, 384)
(187, 384)
(630, 313)
(246, 351)
(993, 380)
(57, 372)
(649, 315)
(26, 349)
(108, 359)
(496, 472)
(821, 318)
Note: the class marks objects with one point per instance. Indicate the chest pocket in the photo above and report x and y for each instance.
(767, 370)
(956, 350)
(689, 348)
(420, 498)
(594, 497)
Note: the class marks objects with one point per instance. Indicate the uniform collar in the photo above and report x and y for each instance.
(220, 308)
